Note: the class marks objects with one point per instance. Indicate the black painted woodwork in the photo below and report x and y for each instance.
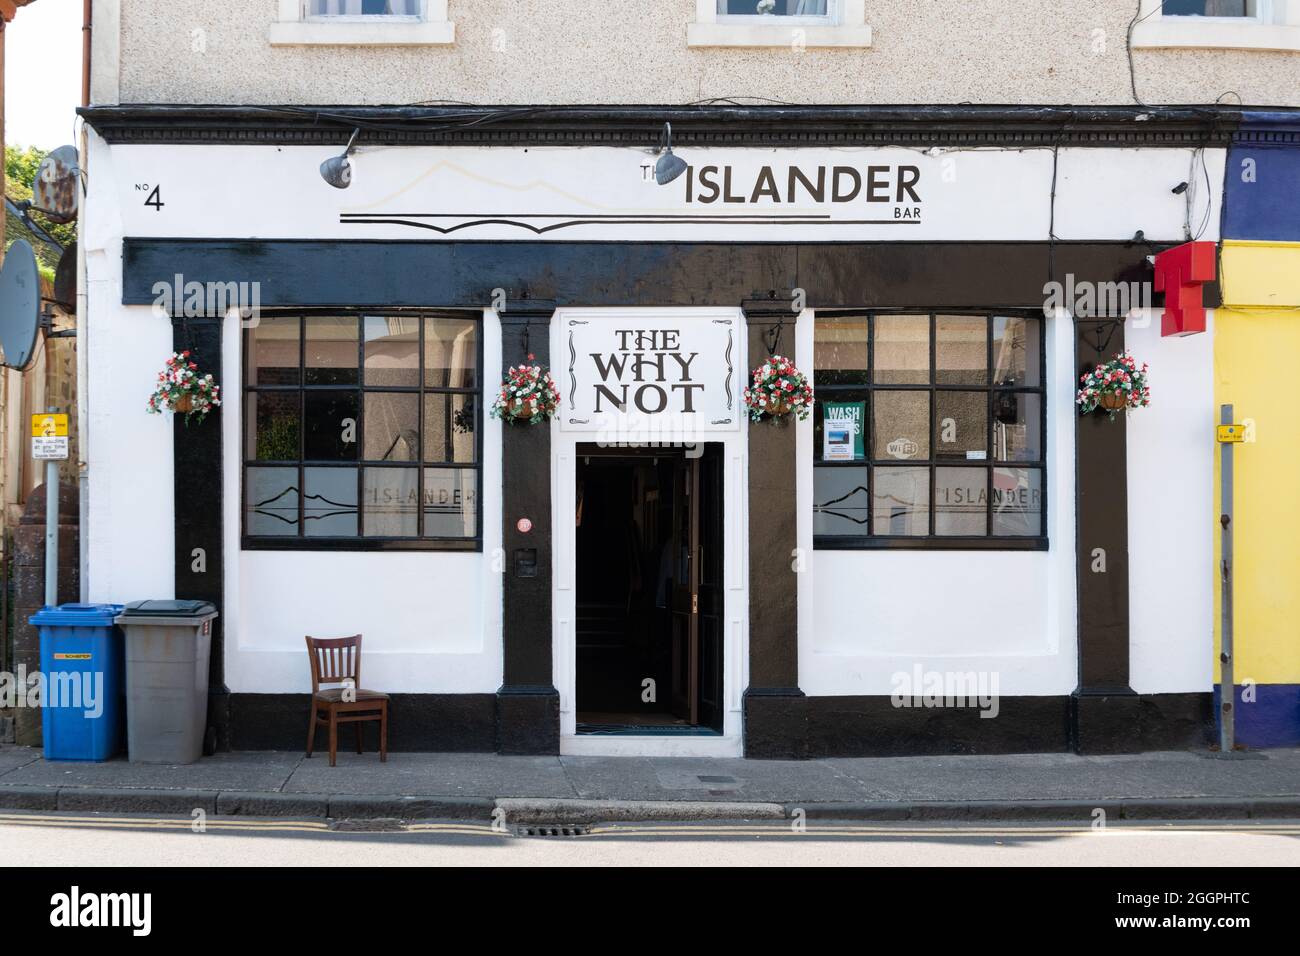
(197, 486)
(528, 705)
(369, 273)
(773, 528)
(1104, 707)
(710, 125)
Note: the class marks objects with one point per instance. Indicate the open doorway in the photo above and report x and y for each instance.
(649, 590)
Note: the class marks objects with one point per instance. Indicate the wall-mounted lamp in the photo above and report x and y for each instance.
(337, 170)
(668, 167)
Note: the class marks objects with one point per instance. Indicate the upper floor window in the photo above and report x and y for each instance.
(364, 8)
(792, 24)
(362, 23)
(1218, 24)
(929, 430)
(775, 8)
(362, 431)
(1210, 8)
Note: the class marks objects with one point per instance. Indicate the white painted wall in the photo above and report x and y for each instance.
(129, 468)
(974, 195)
(1171, 510)
(431, 620)
(866, 615)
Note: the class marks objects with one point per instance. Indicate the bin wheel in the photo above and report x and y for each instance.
(210, 741)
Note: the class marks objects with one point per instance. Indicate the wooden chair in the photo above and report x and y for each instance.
(338, 661)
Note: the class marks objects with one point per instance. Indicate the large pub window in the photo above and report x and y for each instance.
(363, 431)
(929, 430)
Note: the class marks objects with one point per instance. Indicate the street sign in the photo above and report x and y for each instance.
(50, 425)
(50, 449)
(1230, 433)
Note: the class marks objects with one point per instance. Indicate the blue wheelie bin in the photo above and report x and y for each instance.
(82, 661)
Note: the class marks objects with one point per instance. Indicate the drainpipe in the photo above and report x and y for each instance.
(85, 52)
(83, 339)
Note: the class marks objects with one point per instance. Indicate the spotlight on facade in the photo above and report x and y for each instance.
(337, 170)
(668, 167)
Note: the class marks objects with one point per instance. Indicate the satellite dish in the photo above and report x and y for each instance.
(54, 193)
(20, 305)
(65, 279)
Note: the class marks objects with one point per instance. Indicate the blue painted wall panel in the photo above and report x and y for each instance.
(1262, 187)
(1271, 720)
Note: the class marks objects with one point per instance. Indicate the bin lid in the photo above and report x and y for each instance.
(77, 615)
(160, 608)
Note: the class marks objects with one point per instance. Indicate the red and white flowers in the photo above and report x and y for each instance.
(1114, 386)
(180, 388)
(527, 394)
(778, 388)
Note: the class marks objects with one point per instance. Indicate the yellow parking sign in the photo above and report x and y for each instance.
(49, 425)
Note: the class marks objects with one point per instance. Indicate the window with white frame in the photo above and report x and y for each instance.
(1218, 24)
(791, 24)
(819, 9)
(362, 23)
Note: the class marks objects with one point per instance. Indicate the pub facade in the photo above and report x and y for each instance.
(944, 556)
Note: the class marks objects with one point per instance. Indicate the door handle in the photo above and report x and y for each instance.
(695, 602)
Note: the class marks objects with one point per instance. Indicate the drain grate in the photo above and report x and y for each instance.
(378, 825)
(567, 830)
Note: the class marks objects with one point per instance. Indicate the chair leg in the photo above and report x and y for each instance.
(383, 733)
(357, 727)
(334, 738)
(311, 729)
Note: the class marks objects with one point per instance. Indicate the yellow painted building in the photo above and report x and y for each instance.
(1257, 370)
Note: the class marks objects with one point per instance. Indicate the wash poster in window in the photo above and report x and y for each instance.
(842, 431)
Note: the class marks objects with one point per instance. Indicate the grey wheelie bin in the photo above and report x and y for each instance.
(167, 645)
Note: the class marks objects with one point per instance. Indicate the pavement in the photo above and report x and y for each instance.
(553, 790)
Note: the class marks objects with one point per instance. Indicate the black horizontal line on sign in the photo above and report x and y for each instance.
(563, 215)
(540, 230)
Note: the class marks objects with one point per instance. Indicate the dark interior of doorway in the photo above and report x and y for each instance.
(649, 595)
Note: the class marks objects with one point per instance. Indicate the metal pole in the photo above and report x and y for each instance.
(51, 532)
(1228, 693)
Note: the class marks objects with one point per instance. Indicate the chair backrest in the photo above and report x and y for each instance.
(334, 660)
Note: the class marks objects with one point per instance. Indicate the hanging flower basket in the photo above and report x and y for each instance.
(182, 390)
(778, 389)
(1114, 386)
(527, 394)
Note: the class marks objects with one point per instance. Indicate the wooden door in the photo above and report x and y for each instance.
(686, 591)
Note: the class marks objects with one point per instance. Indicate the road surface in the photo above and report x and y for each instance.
(96, 840)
